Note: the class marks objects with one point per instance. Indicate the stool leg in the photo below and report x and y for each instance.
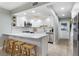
(30, 52)
(27, 54)
(35, 49)
(3, 45)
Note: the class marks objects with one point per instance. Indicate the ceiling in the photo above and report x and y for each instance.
(11, 5)
(41, 12)
(63, 9)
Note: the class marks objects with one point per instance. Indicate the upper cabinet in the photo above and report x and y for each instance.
(23, 21)
(20, 21)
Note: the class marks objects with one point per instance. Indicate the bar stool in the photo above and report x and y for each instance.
(10, 46)
(5, 44)
(17, 48)
(27, 49)
(24, 51)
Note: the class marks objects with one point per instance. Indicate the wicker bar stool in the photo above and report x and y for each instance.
(17, 48)
(5, 44)
(8, 45)
(24, 51)
(28, 49)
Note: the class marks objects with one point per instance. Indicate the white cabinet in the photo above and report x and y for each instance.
(20, 21)
(51, 36)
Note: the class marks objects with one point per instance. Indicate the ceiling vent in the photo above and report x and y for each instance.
(35, 3)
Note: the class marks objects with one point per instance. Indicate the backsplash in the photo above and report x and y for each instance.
(21, 29)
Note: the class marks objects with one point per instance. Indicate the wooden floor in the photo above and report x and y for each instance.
(62, 48)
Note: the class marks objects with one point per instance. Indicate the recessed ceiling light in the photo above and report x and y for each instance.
(63, 15)
(24, 13)
(62, 8)
(47, 19)
(33, 11)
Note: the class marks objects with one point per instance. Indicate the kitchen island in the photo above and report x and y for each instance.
(39, 39)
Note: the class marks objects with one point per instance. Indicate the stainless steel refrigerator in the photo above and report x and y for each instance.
(75, 23)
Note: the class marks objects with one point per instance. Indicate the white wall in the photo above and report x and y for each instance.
(64, 34)
(5, 21)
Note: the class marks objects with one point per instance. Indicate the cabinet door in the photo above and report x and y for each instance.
(20, 21)
(51, 38)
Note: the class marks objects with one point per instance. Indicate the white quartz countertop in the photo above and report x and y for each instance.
(27, 35)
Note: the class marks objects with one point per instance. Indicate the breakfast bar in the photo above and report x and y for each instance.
(39, 39)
